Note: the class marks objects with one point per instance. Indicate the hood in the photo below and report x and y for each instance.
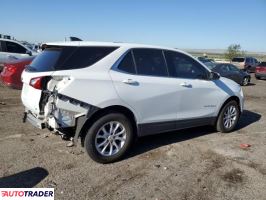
(229, 85)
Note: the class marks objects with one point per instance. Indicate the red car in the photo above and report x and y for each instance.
(261, 71)
(11, 74)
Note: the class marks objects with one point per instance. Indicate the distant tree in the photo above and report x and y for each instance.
(234, 50)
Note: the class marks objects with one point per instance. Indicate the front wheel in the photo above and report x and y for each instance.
(245, 81)
(228, 117)
(109, 138)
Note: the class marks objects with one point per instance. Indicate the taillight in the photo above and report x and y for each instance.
(36, 82)
(10, 68)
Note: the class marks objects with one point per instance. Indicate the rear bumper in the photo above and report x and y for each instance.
(33, 120)
(260, 75)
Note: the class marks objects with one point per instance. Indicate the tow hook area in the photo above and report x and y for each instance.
(33, 120)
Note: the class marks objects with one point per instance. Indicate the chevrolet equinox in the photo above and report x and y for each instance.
(108, 94)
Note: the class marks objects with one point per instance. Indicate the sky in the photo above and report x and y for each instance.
(186, 24)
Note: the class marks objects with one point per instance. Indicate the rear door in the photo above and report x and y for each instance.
(142, 80)
(235, 73)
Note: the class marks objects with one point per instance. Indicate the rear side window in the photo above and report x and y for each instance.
(238, 59)
(66, 58)
(13, 47)
(150, 62)
(183, 66)
(127, 64)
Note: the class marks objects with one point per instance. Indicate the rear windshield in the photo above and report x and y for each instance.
(65, 58)
(238, 60)
(262, 64)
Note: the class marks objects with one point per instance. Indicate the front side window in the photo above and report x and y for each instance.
(233, 68)
(150, 62)
(183, 66)
(127, 64)
(224, 68)
(13, 47)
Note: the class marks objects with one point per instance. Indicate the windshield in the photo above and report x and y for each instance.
(238, 60)
(262, 64)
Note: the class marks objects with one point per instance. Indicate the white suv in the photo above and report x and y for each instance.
(107, 94)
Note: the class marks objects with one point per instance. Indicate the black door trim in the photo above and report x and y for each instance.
(160, 127)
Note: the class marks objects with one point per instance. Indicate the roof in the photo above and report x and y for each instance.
(109, 44)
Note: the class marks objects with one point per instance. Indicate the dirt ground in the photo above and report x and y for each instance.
(197, 163)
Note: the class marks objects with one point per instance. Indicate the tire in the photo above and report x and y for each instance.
(99, 139)
(257, 77)
(245, 81)
(220, 124)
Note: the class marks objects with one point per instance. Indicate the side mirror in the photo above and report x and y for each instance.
(214, 76)
(29, 53)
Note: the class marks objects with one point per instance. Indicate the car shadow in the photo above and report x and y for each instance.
(147, 143)
(250, 84)
(24, 179)
(247, 118)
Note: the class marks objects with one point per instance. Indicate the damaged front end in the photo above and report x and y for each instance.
(60, 112)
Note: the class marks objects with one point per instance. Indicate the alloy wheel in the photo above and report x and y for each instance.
(110, 138)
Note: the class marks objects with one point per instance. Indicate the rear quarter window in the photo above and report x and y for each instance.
(67, 58)
(83, 56)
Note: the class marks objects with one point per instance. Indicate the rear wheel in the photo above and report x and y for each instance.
(257, 77)
(109, 138)
(228, 117)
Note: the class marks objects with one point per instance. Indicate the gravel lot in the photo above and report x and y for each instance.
(198, 163)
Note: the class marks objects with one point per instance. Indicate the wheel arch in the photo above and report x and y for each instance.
(235, 98)
(101, 112)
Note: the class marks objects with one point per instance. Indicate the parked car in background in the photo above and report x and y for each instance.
(232, 72)
(107, 94)
(247, 63)
(11, 74)
(261, 71)
(11, 50)
(205, 59)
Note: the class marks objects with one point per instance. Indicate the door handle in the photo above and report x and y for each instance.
(184, 84)
(130, 82)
